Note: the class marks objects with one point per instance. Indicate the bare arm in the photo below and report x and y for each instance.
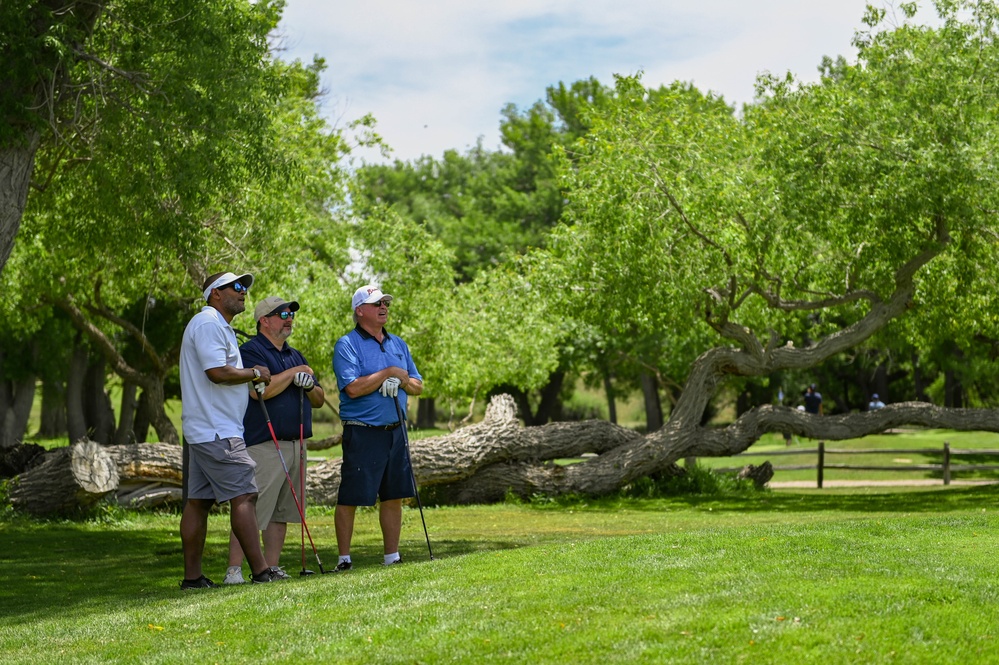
(370, 383)
(231, 375)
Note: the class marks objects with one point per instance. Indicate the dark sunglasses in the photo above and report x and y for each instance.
(284, 315)
(236, 286)
(379, 303)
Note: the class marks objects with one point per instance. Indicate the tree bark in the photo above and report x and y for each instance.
(53, 414)
(98, 411)
(426, 417)
(16, 166)
(142, 416)
(76, 421)
(70, 477)
(123, 433)
(611, 400)
(16, 397)
(150, 474)
(653, 405)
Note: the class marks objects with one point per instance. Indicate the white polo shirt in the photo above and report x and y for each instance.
(210, 409)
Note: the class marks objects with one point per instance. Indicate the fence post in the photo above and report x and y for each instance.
(822, 461)
(946, 463)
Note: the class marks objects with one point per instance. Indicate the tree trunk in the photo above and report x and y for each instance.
(76, 422)
(142, 416)
(150, 473)
(653, 405)
(16, 397)
(550, 406)
(16, 166)
(123, 434)
(17, 411)
(97, 407)
(70, 477)
(426, 417)
(611, 400)
(53, 414)
(158, 417)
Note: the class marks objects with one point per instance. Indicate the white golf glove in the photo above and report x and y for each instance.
(304, 380)
(390, 387)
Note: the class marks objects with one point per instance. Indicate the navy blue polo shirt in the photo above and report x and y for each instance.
(358, 354)
(282, 408)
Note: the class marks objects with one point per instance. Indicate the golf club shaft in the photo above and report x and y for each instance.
(302, 461)
(412, 473)
(291, 484)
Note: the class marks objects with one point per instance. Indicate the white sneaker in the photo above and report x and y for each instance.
(234, 575)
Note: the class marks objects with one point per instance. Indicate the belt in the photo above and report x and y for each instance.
(358, 423)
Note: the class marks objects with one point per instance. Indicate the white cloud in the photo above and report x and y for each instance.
(435, 75)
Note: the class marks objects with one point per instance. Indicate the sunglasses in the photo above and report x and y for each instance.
(379, 303)
(284, 315)
(236, 286)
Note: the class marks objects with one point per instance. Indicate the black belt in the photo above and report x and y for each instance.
(358, 423)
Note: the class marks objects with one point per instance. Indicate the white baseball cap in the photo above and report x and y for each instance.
(368, 294)
(226, 278)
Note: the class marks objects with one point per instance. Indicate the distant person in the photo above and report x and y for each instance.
(780, 401)
(213, 399)
(372, 367)
(290, 397)
(813, 400)
(875, 403)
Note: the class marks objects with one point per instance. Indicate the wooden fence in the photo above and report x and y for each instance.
(946, 468)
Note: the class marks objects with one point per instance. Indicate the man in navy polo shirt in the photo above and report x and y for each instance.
(290, 374)
(372, 367)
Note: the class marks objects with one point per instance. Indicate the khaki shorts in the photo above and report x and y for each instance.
(275, 502)
(219, 470)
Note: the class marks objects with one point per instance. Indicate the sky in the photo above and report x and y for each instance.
(436, 75)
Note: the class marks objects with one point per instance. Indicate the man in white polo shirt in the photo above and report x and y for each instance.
(213, 391)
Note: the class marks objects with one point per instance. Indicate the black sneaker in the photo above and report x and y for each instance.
(343, 567)
(200, 583)
(399, 560)
(270, 574)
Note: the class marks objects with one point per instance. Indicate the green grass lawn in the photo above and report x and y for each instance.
(775, 577)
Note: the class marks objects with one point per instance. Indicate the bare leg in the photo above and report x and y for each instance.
(243, 518)
(193, 530)
(235, 551)
(274, 541)
(390, 518)
(343, 519)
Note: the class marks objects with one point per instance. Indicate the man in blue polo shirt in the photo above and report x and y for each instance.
(290, 374)
(372, 367)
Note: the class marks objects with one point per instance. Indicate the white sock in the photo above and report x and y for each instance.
(344, 558)
(392, 558)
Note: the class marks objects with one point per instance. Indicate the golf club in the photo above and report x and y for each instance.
(405, 439)
(291, 485)
(301, 467)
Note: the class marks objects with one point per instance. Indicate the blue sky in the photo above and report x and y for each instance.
(436, 74)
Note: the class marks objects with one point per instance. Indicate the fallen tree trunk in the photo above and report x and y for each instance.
(71, 477)
(482, 462)
(150, 474)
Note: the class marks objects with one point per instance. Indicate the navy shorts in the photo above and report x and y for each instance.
(375, 464)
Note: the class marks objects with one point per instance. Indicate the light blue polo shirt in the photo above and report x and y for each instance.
(358, 354)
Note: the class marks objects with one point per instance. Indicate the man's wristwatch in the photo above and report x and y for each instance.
(256, 374)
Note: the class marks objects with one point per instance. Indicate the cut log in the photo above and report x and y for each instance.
(148, 462)
(151, 474)
(484, 461)
(68, 478)
(19, 458)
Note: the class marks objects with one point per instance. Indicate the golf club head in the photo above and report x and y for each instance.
(305, 572)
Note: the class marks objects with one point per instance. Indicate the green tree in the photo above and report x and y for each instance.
(219, 159)
(837, 208)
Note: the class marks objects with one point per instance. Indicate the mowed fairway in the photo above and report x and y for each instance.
(902, 577)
